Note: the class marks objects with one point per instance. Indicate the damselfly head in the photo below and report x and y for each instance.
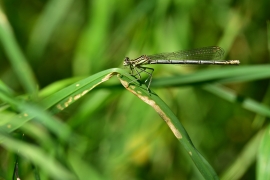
(126, 61)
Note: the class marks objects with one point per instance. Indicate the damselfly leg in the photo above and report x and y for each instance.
(139, 70)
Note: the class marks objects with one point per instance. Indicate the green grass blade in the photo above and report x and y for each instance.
(100, 14)
(36, 155)
(29, 111)
(174, 124)
(246, 157)
(48, 21)
(73, 92)
(82, 168)
(5, 88)
(57, 86)
(16, 57)
(88, 107)
(224, 75)
(230, 96)
(263, 159)
(59, 100)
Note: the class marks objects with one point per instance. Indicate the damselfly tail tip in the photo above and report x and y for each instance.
(234, 62)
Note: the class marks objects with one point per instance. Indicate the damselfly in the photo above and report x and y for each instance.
(201, 56)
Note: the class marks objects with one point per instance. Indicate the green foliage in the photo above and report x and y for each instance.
(63, 116)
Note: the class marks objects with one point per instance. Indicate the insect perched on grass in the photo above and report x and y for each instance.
(202, 56)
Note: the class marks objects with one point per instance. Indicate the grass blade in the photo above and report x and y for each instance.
(224, 75)
(174, 124)
(16, 57)
(247, 157)
(36, 155)
(263, 160)
(49, 19)
(230, 96)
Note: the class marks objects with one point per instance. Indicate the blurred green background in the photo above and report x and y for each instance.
(120, 136)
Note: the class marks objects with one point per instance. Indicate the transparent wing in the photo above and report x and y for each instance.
(205, 53)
